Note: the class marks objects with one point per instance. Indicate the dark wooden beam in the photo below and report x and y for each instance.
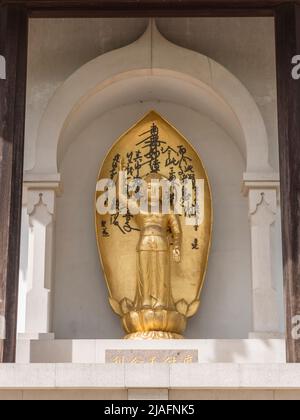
(151, 3)
(288, 45)
(13, 46)
(133, 12)
(119, 8)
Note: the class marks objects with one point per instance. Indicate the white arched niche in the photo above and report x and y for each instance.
(152, 72)
(226, 299)
(152, 56)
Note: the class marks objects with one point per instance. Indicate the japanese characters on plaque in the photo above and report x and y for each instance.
(151, 356)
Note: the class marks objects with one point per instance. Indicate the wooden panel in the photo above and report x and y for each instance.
(13, 46)
(288, 45)
(151, 3)
(127, 12)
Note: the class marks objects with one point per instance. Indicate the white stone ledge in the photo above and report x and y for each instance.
(234, 376)
(195, 376)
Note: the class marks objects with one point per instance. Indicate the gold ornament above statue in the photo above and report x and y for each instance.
(153, 224)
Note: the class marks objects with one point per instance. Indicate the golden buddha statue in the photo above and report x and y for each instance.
(153, 255)
(158, 234)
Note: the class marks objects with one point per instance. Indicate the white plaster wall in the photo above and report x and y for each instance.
(23, 271)
(58, 47)
(246, 47)
(81, 309)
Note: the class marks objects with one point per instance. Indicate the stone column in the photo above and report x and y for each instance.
(40, 200)
(263, 204)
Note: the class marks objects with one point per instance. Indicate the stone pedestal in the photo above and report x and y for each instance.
(152, 353)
